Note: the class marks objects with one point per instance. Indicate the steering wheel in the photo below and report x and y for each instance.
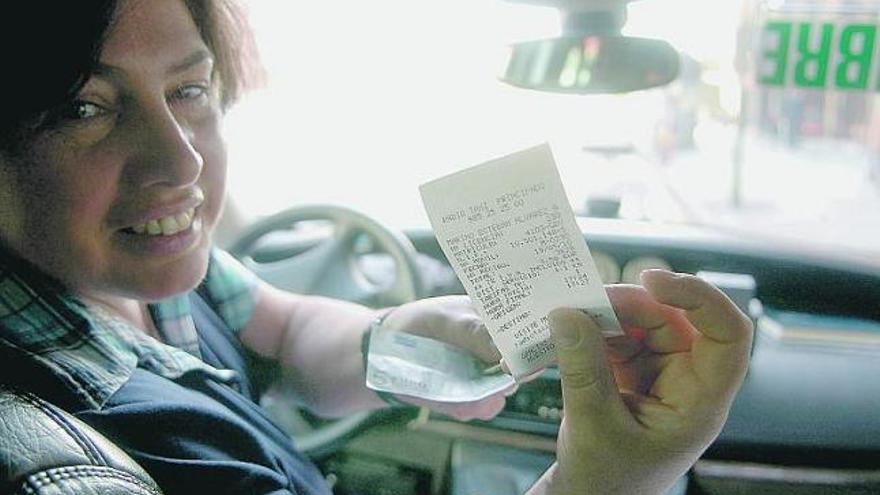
(329, 267)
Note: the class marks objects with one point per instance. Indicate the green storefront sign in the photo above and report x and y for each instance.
(818, 55)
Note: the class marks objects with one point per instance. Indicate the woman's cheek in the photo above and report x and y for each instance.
(213, 179)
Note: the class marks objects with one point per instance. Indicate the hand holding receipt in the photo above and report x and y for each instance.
(642, 401)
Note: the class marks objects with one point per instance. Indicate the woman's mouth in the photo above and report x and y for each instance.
(170, 235)
(165, 226)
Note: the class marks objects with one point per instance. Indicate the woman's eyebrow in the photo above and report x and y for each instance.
(197, 57)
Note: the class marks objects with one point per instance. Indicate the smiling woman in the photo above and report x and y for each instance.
(144, 121)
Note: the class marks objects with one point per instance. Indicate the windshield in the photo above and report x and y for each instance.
(367, 100)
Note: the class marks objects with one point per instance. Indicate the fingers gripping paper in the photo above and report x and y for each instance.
(508, 230)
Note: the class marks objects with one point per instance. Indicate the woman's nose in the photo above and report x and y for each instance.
(167, 155)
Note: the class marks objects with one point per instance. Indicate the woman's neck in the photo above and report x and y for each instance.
(131, 310)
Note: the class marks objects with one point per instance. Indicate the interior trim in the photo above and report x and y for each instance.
(788, 474)
(488, 435)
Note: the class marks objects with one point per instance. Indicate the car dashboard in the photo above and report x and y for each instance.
(805, 421)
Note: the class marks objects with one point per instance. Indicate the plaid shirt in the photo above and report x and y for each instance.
(94, 352)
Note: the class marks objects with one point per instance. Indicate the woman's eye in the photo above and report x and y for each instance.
(83, 110)
(190, 92)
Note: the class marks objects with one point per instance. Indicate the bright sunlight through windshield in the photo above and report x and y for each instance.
(367, 100)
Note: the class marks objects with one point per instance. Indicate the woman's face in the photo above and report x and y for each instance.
(120, 198)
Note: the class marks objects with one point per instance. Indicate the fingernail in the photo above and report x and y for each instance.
(565, 331)
(658, 272)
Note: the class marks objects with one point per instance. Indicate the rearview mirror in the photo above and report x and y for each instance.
(591, 64)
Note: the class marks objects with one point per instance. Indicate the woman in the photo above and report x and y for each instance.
(112, 177)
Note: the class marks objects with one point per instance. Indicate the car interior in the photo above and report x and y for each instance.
(806, 419)
(802, 422)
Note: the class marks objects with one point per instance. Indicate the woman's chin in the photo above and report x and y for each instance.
(177, 278)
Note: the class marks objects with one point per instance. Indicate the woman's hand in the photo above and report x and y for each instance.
(640, 409)
(450, 319)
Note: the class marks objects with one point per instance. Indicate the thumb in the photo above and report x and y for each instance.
(589, 392)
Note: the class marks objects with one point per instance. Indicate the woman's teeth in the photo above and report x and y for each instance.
(169, 225)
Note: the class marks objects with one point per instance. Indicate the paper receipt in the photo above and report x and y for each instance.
(507, 228)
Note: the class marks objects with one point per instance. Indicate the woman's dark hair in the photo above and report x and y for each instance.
(49, 48)
(224, 29)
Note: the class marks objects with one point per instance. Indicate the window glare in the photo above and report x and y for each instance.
(367, 100)
(406, 89)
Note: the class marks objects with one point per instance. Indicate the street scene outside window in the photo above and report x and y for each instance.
(768, 132)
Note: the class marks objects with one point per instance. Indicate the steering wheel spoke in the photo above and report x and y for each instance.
(331, 268)
(309, 267)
